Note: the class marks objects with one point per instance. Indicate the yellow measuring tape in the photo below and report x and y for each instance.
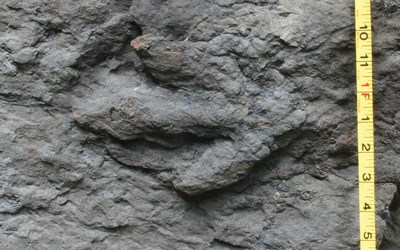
(365, 124)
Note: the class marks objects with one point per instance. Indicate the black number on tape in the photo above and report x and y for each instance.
(366, 206)
(366, 177)
(366, 147)
(365, 119)
(367, 235)
(363, 36)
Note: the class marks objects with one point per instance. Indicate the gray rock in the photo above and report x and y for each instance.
(190, 125)
(25, 56)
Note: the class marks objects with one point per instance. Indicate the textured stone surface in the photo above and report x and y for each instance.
(170, 124)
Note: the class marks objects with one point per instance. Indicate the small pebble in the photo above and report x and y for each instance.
(280, 56)
(25, 56)
(385, 214)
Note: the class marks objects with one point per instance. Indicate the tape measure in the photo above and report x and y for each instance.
(365, 124)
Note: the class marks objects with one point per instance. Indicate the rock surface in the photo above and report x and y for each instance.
(171, 124)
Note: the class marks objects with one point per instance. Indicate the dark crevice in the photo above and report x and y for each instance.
(125, 67)
(198, 198)
(221, 243)
(149, 172)
(165, 141)
(392, 218)
(395, 204)
(109, 43)
(146, 171)
(271, 5)
(157, 82)
(159, 140)
(171, 84)
(176, 32)
(113, 229)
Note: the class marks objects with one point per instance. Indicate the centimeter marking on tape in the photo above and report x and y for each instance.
(365, 124)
